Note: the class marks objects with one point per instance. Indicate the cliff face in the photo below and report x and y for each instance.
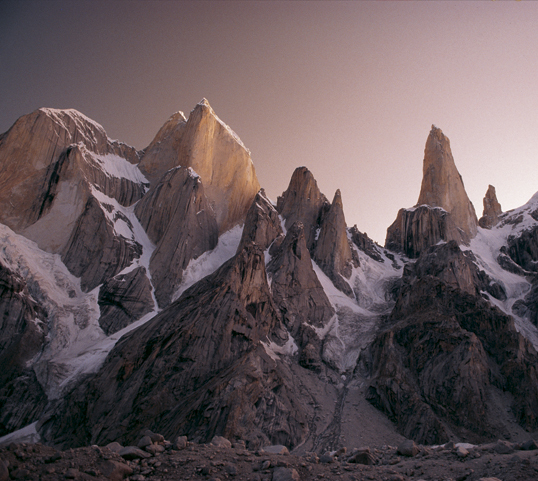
(219, 157)
(442, 185)
(492, 209)
(443, 211)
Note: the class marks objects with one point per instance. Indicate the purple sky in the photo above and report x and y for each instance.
(349, 89)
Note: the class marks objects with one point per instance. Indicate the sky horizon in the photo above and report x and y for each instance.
(348, 89)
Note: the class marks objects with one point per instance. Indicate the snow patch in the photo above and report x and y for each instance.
(210, 261)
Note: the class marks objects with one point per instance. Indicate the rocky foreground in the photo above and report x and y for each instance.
(157, 459)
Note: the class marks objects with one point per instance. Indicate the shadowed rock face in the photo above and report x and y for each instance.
(124, 299)
(299, 295)
(199, 368)
(332, 251)
(217, 155)
(23, 329)
(302, 201)
(445, 349)
(262, 224)
(179, 220)
(94, 253)
(492, 209)
(415, 230)
(442, 185)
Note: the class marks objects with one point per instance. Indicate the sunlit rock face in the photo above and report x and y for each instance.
(442, 185)
(492, 209)
(443, 211)
(32, 155)
(163, 152)
(219, 157)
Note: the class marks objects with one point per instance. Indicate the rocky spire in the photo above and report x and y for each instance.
(492, 209)
(217, 155)
(332, 251)
(302, 201)
(442, 185)
(163, 152)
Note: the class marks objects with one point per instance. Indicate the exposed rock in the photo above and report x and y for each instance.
(94, 253)
(492, 210)
(523, 249)
(217, 155)
(23, 328)
(276, 449)
(365, 244)
(442, 185)
(163, 152)
(443, 351)
(416, 229)
(132, 452)
(302, 201)
(29, 155)
(212, 340)
(295, 286)
(124, 299)
(332, 251)
(262, 224)
(178, 218)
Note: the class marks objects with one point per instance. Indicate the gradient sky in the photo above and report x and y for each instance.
(348, 89)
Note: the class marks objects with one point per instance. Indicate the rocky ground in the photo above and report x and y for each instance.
(157, 459)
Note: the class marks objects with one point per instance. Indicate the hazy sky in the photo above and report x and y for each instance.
(348, 89)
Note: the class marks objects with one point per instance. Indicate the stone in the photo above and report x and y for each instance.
(492, 209)
(114, 470)
(303, 202)
(144, 441)
(219, 157)
(72, 473)
(461, 452)
(220, 442)
(529, 445)
(285, 474)
(180, 443)
(155, 437)
(442, 185)
(114, 447)
(276, 449)
(362, 456)
(132, 452)
(503, 447)
(326, 458)
(155, 449)
(408, 448)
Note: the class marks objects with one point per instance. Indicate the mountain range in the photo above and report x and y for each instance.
(162, 289)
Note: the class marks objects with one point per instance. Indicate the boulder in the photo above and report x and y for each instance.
(408, 448)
